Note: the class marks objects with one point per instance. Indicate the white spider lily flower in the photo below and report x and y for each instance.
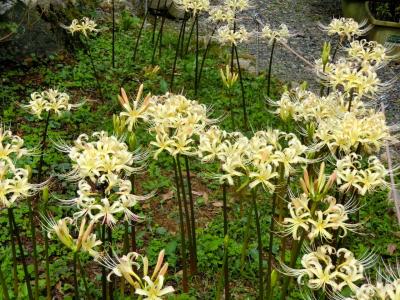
(128, 266)
(194, 6)
(228, 36)
(237, 5)
(137, 111)
(84, 26)
(346, 28)
(328, 268)
(280, 35)
(85, 240)
(106, 212)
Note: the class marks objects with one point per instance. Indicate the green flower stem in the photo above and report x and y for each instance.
(4, 285)
(333, 58)
(126, 237)
(158, 40)
(83, 274)
(95, 73)
(11, 220)
(190, 36)
(110, 283)
(242, 89)
(113, 34)
(34, 246)
(259, 242)
(171, 85)
(196, 72)
(205, 54)
(76, 286)
(139, 36)
(270, 246)
(182, 45)
(192, 263)
(226, 267)
(246, 239)
(155, 24)
(270, 68)
(185, 285)
(192, 214)
(133, 224)
(47, 266)
(14, 260)
(103, 268)
(43, 147)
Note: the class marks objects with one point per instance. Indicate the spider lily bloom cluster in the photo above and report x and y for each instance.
(351, 174)
(194, 6)
(280, 35)
(85, 26)
(177, 122)
(151, 287)
(385, 287)
(50, 101)
(86, 240)
(346, 28)
(100, 164)
(329, 269)
(228, 36)
(14, 181)
(256, 158)
(318, 223)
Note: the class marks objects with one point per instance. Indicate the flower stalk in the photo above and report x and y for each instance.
(13, 224)
(185, 284)
(259, 244)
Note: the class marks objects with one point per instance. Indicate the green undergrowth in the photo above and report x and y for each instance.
(71, 71)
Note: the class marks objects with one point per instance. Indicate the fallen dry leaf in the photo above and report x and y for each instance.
(168, 195)
(391, 249)
(218, 204)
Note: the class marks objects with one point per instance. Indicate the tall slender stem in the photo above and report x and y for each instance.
(205, 55)
(4, 285)
(176, 58)
(47, 266)
(270, 245)
(270, 68)
(11, 220)
(182, 46)
(190, 36)
(43, 147)
(242, 88)
(192, 215)
(185, 285)
(158, 40)
(226, 268)
(83, 274)
(14, 259)
(76, 286)
(34, 246)
(113, 34)
(96, 76)
(103, 268)
(187, 219)
(259, 242)
(110, 283)
(139, 36)
(196, 83)
(133, 224)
